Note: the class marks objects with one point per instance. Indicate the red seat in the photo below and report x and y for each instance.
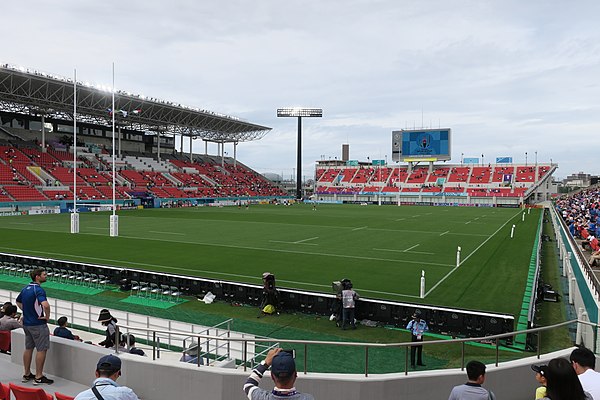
(60, 396)
(4, 392)
(5, 341)
(27, 393)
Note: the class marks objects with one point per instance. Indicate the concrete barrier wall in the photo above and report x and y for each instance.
(158, 380)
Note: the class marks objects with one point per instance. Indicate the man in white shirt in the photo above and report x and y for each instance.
(105, 386)
(584, 363)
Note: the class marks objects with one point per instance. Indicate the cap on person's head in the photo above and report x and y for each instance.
(104, 316)
(540, 369)
(283, 365)
(109, 363)
(192, 350)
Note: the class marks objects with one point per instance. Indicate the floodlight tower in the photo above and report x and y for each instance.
(299, 112)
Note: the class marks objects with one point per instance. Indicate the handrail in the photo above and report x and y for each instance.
(578, 252)
(496, 338)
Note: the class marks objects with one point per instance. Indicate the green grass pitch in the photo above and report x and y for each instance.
(382, 249)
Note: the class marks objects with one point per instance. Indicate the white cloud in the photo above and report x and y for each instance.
(509, 77)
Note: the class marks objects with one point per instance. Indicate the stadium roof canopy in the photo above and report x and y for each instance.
(31, 92)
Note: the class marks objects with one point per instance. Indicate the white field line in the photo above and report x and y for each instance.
(443, 233)
(21, 223)
(410, 248)
(95, 227)
(229, 246)
(306, 240)
(249, 277)
(168, 233)
(400, 219)
(469, 256)
(406, 251)
(281, 241)
(467, 223)
(359, 228)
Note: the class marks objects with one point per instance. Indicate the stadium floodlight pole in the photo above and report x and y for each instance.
(74, 215)
(299, 112)
(114, 219)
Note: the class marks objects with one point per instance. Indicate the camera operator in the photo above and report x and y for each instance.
(283, 373)
(349, 297)
(417, 327)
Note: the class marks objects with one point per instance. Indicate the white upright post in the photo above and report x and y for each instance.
(528, 210)
(458, 257)
(572, 283)
(523, 219)
(512, 232)
(114, 219)
(579, 326)
(74, 215)
(422, 292)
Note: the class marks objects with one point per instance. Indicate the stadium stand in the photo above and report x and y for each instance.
(498, 181)
(25, 171)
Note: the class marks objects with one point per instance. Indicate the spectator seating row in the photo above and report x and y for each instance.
(29, 393)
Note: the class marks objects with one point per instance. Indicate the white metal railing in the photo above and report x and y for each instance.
(248, 360)
(84, 317)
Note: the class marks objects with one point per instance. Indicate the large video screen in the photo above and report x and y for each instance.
(421, 145)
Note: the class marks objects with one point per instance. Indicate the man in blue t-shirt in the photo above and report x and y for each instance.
(36, 312)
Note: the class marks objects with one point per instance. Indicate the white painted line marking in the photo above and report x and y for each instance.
(306, 240)
(249, 277)
(443, 233)
(358, 229)
(400, 219)
(468, 222)
(281, 241)
(410, 248)
(21, 223)
(168, 233)
(467, 257)
(407, 251)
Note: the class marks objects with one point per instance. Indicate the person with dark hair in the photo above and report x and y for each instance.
(3, 308)
(349, 297)
(417, 327)
(283, 373)
(108, 370)
(10, 320)
(562, 382)
(540, 375)
(62, 331)
(111, 328)
(130, 341)
(472, 390)
(36, 312)
(583, 361)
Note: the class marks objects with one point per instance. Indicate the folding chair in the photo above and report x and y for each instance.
(144, 289)
(103, 281)
(154, 290)
(175, 293)
(27, 393)
(135, 288)
(165, 291)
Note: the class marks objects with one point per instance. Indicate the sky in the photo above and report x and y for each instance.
(508, 77)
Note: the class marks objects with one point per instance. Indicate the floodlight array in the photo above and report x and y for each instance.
(299, 112)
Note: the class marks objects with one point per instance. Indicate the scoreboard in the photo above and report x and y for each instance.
(411, 145)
